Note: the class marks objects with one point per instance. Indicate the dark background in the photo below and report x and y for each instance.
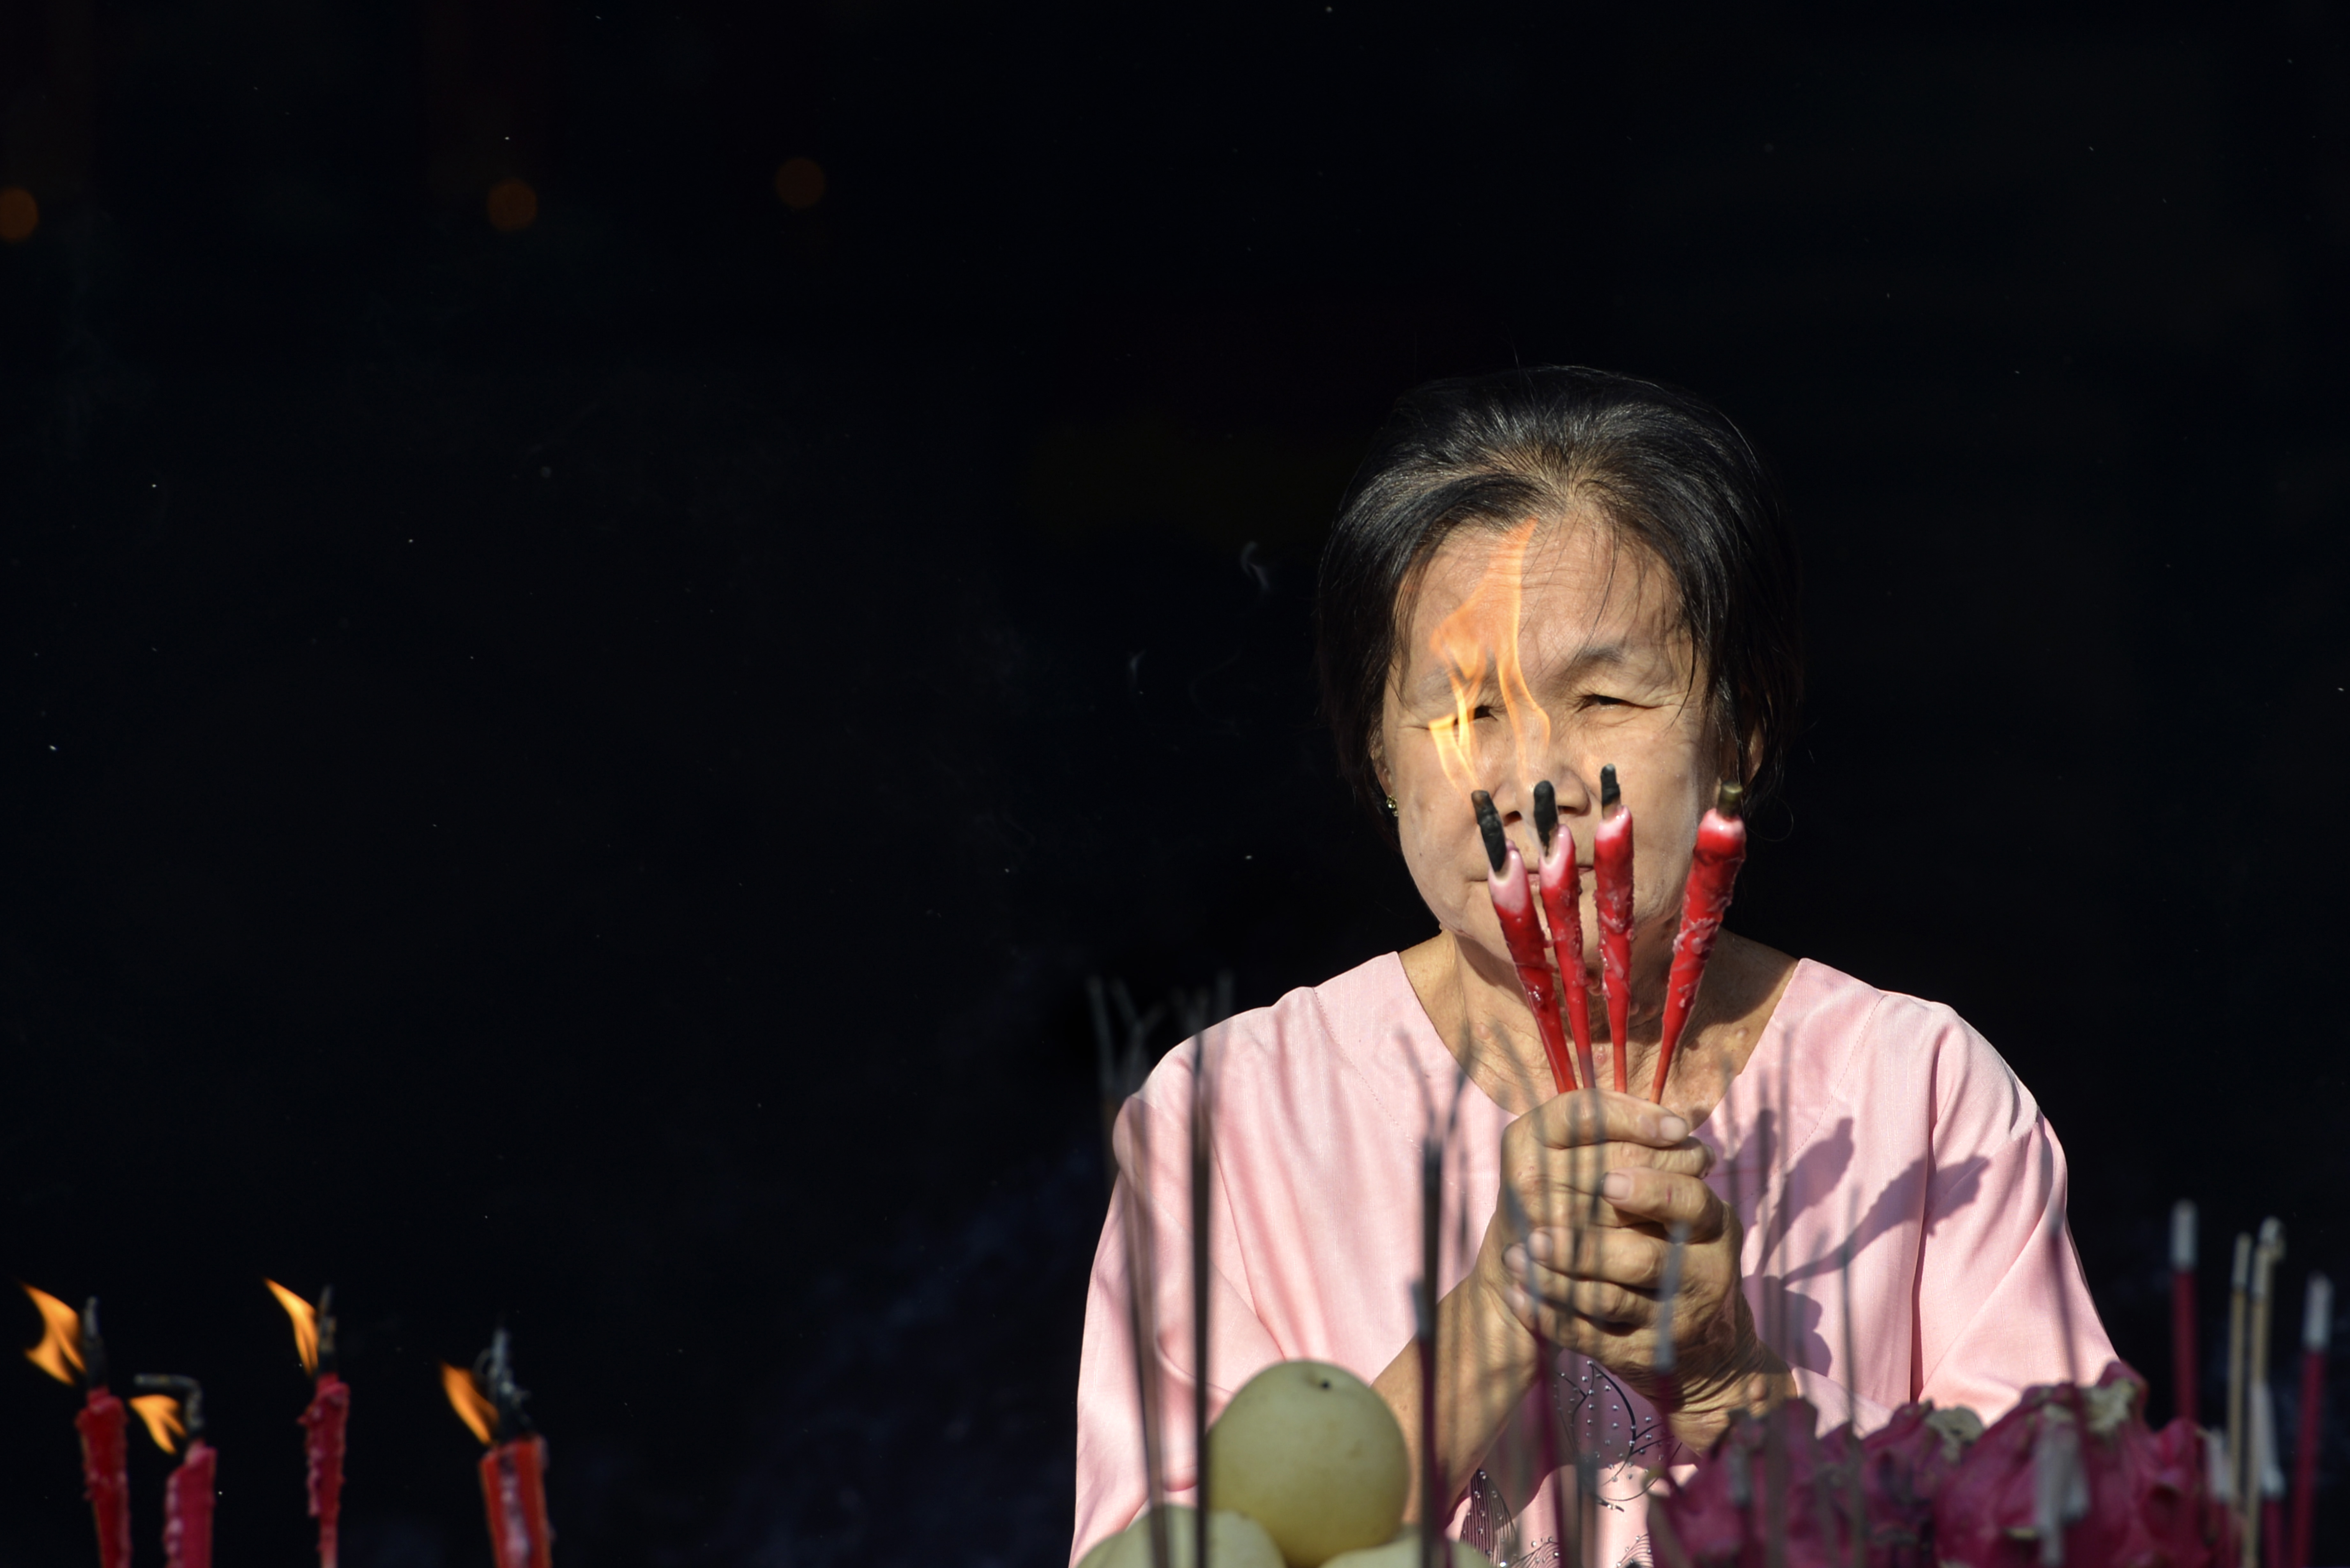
(573, 776)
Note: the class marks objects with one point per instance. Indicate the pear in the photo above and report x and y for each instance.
(1312, 1453)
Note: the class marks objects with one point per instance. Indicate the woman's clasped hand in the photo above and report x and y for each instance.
(1577, 1256)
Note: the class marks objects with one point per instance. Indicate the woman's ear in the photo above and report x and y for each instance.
(1378, 752)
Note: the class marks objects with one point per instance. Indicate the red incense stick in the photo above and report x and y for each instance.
(1611, 869)
(1513, 905)
(176, 1410)
(69, 1348)
(1562, 898)
(2182, 1310)
(1713, 875)
(2317, 1334)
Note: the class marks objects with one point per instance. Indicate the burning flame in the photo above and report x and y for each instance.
(1479, 644)
(306, 1325)
(59, 1351)
(479, 1415)
(161, 1414)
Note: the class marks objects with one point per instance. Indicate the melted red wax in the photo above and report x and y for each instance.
(188, 1509)
(1714, 873)
(104, 1461)
(1611, 867)
(1772, 1492)
(1514, 906)
(514, 1486)
(322, 1424)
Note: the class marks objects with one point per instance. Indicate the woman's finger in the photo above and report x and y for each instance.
(1630, 1258)
(1558, 1300)
(1663, 1198)
(1601, 1116)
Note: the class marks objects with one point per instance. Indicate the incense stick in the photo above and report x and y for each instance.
(1141, 1314)
(2182, 1309)
(2240, 1284)
(2317, 1334)
(1201, 1136)
(2266, 1253)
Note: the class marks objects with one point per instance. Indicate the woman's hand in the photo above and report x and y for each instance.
(1597, 1182)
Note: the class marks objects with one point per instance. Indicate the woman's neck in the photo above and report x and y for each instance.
(1483, 1019)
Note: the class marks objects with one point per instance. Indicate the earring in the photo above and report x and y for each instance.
(1391, 810)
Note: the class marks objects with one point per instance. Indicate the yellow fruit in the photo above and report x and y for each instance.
(1232, 1543)
(1309, 1451)
(1403, 1551)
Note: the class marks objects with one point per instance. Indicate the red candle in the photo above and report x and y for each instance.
(1713, 875)
(175, 1413)
(514, 1487)
(2183, 1378)
(513, 1472)
(188, 1511)
(70, 1348)
(1611, 870)
(105, 1473)
(323, 1420)
(1513, 905)
(2317, 1334)
(1562, 898)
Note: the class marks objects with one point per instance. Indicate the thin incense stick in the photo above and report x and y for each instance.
(2182, 1309)
(1142, 1322)
(1666, 1363)
(2266, 1254)
(1857, 1502)
(2240, 1285)
(2317, 1334)
(1432, 1197)
(1201, 1137)
(2272, 1478)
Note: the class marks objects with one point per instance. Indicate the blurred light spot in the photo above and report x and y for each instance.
(800, 182)
(20, 214)
(512, 206)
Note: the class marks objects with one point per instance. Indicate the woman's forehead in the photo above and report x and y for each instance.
(1551, 587)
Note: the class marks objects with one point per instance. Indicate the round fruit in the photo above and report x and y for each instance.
(1309, 1451)
(1233, 1541)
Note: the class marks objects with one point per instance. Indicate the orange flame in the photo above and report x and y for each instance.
(1479, 644)
(59, 1351)
(306, 1325)
(161, 1414)
(479, 1415)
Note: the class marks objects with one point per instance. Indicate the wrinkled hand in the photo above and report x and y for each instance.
(1593, 1185)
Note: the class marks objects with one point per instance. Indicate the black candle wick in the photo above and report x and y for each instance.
(1489, 823)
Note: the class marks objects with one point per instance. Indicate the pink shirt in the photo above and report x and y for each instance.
(1907, 1132)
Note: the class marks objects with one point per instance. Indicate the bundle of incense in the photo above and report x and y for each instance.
(2317, 1334)
(1562, 899)
(175, 1410)
(1514, 906)
(324, 1419)
(2182, 1308)
(71, 1347)
(1713, 876)
(1611, 874)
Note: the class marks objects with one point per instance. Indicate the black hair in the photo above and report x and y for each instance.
(1666, 469)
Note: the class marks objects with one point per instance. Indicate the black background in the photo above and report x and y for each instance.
(573, 777)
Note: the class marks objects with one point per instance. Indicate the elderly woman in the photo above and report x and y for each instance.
(1536, 575)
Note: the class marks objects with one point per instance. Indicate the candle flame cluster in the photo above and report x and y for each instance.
(59, 1351)
(472, 1408)
(165, 1422)
(1477, 644)
(306, 1325)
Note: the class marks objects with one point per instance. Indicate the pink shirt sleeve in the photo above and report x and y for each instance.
(2001, 1300)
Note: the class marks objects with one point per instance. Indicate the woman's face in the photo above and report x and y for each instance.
(1545, 651)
